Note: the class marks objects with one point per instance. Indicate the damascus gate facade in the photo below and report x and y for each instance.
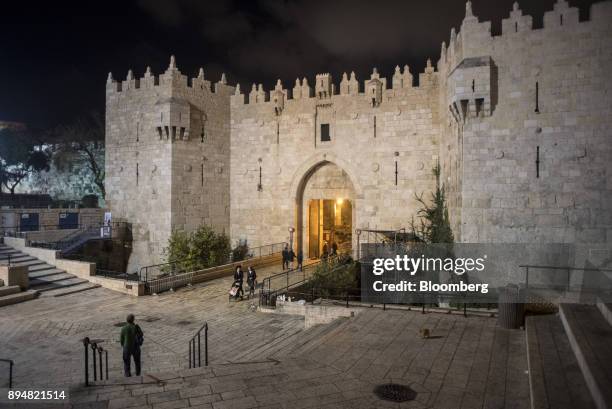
(519, 122)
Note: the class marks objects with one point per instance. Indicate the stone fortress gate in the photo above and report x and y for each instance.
(519, 122)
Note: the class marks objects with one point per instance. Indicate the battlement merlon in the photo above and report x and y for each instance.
(172, 79)
(475, 38)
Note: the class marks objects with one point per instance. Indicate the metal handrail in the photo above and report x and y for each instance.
(568, 269)
(94, 345)
(11, 364)
(196, 346)
(143, 273)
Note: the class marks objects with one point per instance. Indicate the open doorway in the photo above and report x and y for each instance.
(329, 226)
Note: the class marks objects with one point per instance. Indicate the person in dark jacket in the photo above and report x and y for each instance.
(334, 248)
(251, 281)
(300, 259)
(238, 281)
(285, 257)
(131, 339)
(291, 258)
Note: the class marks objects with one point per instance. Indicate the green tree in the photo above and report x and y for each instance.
(21, 153)
(434, 224)
(84, 139)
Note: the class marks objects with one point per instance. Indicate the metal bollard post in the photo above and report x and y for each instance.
(206, 344)
(106, 359)
(189, 353)
(199, 352)
(11, 374)
(95, 370)
(85, 343)
(101, 366)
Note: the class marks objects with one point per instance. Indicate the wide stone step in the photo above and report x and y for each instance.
(590, 337)
(18, 297)
(45, 273)
(40, 267)
(6, 252)
(59, 284)
(9, 289)
(50, 279)
(29, 263)
(60, 292)
(555, 379)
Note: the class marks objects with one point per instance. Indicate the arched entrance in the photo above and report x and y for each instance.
(325, 210)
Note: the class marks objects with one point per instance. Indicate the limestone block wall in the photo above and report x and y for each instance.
(165, 138)
(367, 138)
(538, 169)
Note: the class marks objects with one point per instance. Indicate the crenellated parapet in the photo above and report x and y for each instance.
(170, 80)
(475, 39)
(374, 90)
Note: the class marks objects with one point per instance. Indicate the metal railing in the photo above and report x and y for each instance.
(171, 268)
(116, 274)
(568, 274)
(103, 365)
(11, 364)
(281, 282)
(195, 348)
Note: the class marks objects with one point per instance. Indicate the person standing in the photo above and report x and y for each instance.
(291, 258)
(300, 259)
(251, 281)
(285, 257)
(131, 340)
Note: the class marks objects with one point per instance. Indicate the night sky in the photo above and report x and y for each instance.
(55, 56)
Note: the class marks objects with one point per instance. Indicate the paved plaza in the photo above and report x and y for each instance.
(264, 360)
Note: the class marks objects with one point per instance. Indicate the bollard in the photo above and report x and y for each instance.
(86, 343)
(95, 368)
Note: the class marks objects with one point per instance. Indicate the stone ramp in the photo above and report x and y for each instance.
(555, 377)
(590, 337)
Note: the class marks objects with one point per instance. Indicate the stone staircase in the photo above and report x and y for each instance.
(12, 294)
(45, 279)
(570, 356)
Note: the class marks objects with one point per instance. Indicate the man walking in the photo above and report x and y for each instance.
(131, 340)
(300, 259)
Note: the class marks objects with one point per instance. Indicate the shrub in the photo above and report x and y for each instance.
(200, 249)
(240, 252)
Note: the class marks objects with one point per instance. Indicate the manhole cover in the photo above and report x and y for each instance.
(395, 392)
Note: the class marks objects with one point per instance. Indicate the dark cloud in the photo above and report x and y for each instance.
(56, 55)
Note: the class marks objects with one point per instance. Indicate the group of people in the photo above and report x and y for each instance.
(237, 290)
(288, 257)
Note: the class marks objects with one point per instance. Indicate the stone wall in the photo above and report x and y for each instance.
(490, 148)
(282, 136)
(519, 122)
(167, 157)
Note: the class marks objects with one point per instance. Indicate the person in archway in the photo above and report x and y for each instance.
(325, 250)
(251, 281)
(334, 250)
(291, 258)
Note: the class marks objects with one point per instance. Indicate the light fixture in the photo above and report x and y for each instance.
(340, 201)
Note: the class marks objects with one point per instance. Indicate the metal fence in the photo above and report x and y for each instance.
(163, 277)
(176, 267)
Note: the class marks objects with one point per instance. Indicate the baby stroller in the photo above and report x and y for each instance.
(236, 290)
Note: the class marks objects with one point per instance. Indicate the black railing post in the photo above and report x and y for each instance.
(199, 351)
(86, 344)
(95, 368)
(100, 350)
(106, 359)
(206, 344)
(193, 353)
(189, 353)
(526, 277)
(464, 309)
(347, 299)
(568, 279)
(10, 374)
